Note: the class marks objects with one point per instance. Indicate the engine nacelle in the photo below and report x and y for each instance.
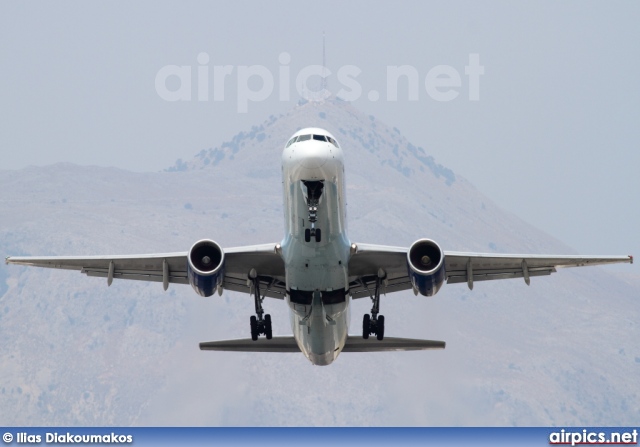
(205, 267)
(425, 260)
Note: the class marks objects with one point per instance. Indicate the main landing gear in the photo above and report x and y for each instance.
(314, 191)
(374, 323)
(259, 325)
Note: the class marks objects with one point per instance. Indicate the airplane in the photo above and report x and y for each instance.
(316, 269)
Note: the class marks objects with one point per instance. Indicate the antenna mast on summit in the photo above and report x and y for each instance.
(324, 65)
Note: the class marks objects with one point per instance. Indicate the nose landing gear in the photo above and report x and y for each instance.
(312, 232)
(314, 191)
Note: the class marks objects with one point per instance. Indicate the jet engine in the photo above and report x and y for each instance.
(425, 260)
(205, 267)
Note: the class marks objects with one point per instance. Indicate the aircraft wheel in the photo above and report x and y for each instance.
(267, 326)
(318, 235)
(380, 329)
(366, 326)
(307, 235)
(253, 322)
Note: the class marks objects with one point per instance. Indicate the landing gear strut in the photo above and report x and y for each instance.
(312, 232)
(314, 191)
(374, 323)
(259, 323)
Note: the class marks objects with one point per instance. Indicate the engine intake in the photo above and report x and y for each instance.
(205, 267)
(425, 260)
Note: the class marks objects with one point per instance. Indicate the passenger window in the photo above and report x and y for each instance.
(319, 137)
(304, 138)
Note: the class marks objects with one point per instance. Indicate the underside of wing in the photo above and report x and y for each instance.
(364, 266)
(459, 267)
(268, 264)
(172, 267)
(470, 267)
(354, 343)
(137, 267)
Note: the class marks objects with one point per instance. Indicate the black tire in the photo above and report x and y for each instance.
(380, 330)
(366, 326)
(253, 322)
(318, 235)
(267, 326)
(307, 235)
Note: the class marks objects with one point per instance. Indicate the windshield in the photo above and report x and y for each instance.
(300, 138)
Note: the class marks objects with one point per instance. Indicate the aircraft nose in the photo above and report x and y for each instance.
(315, 155)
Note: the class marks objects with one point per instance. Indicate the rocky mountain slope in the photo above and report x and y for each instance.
(563, 351)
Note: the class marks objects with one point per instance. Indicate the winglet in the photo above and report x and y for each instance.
(6, 260)
(631, 258)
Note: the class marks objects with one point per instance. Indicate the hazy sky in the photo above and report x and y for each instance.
(553, 137)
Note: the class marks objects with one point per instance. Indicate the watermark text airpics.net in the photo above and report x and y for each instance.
(255, 83)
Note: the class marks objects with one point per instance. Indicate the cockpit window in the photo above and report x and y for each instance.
(291, 141)
(300, 138)
(332, 141)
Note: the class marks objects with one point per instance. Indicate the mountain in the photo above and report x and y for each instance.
(563, 351)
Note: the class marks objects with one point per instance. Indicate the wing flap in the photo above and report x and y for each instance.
(174, 277)
(488, 275)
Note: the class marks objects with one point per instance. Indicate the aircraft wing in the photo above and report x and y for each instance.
(459, 267)
(172, 267)
(355, 343)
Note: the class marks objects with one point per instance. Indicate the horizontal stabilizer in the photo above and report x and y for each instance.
(276, 344)
(355, 343)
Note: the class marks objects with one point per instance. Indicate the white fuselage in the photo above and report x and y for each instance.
(316, 272)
